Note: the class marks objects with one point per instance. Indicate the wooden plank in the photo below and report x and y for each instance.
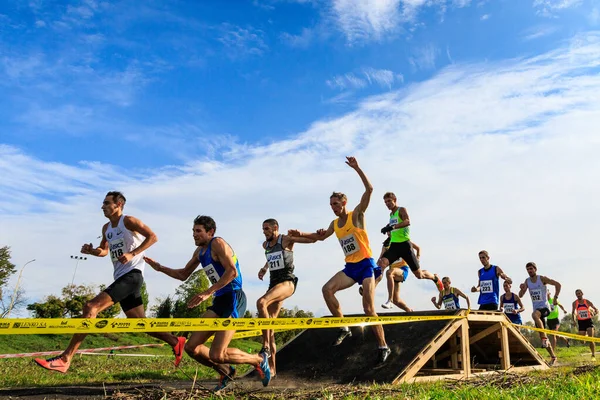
(465, 348)
(532, 351)
(486, 317)
(477, 337)
(448, 352)
(454, 356)
(419, 361)
(505, 360)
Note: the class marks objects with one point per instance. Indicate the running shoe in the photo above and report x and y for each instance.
(544, 343)
(225, 380)
(344, 333)
(384, 354)
(178, 350)
(552, 361)
(264, 371)
(568, 343)
(54, 364)
(387, 305)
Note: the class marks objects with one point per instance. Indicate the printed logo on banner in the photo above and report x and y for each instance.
(252, 323)
(159, 324)
(238, 323)
(308, 322)
(182, 323)
(226, 322)
(27, 325)
(101, 324)
(84, 325)
(4, 325)
(120, 325)
(140, 325)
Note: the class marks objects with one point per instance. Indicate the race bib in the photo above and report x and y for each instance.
(509, 308)
(211, 273)
(449, 304)
(486, 287)
(536, 294)
(117, 249)
(583, 314)
(349, 244)
(394, 221)
(275, 260)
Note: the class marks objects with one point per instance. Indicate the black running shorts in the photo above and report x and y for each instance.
(584, 324)
(402, 250)
(127, 290)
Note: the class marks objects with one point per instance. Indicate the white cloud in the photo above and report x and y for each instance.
(549, 7)
(373, 20)
(243, 41)
(302, 40)
(485, 17)
(424, 57)
(538, 32)
(501, 156)
(366, 77)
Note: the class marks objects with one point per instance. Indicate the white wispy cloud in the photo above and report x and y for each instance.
(373, 20)
(243, 41)
(482, 156)
(549, 7)
(538, 32)
(424, 57)
(366, 77)
(301, 40)
(485, 17)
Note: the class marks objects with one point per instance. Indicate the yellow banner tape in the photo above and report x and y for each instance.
(99, 325)
(575, 336)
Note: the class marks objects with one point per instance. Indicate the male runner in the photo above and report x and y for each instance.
(536, 284)
(221, 266)
(125, 238)
(554, 322)
(488, 287)
(349, 228)
(282, 284)
(449, 297)
(582, 313)
(400, 246)
(395, 276)
(511, 304)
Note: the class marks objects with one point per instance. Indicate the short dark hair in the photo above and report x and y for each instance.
(207, 222)
(117, 197)
(339, 195)
(271, 221)
(532, 264)
(389, 195)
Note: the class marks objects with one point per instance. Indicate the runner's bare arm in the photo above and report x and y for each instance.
(562, 308)
(405, 219)
(476, 288)
(461, 294)
(557, 286)
(417, 249)
(592, 306)
(297, 239)
(522, 289)
(502, 275)
(263, 271)
(521, 306)
(366, 197)
(573, 312)
(501, 303)
(101, 250)
(182, 273)
(135, 225)
(319, 235)
(438, 303)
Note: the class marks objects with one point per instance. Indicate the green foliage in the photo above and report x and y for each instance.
(70, 304)
(285, 336)
(177, 307)
(6, 267)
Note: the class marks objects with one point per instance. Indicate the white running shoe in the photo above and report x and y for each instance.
(387, 305)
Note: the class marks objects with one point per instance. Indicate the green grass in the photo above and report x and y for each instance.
(92, 369)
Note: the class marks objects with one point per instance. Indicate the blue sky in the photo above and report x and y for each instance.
(481, 114)
(170, 78)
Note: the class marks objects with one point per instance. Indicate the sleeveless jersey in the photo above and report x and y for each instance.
(489, 289)
(354, 240)
(510, 306)
(583, 311)
(214, 270)
(450, 300)
(120, 241)
(401, 234)
(279, 261)
(538, 293)
(553, 309)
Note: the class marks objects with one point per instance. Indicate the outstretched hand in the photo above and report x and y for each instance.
(351, 161)
(294, 233)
